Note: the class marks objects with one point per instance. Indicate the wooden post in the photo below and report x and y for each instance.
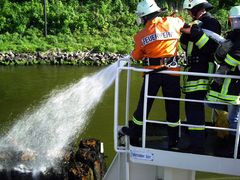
(45, 18)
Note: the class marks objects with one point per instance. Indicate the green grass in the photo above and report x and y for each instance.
(117, 42)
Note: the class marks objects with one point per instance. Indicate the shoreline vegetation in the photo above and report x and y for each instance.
(71, 29)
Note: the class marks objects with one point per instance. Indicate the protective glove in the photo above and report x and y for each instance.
(196, 31)
(223, 69)
(223, 49)
(195, 22)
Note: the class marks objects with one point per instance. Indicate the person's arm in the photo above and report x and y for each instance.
(227, 64)
(137, 53)
(201, 40)
(232, 58)
(186, 29)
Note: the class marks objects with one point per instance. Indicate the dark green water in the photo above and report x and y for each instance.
(23, 87)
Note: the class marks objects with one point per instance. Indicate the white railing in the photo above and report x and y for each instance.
(128, 68)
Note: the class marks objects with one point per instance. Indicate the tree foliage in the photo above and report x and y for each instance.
(113, 19)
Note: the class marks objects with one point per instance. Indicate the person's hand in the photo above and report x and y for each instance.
(219, 80)
(223, 49)
(195, 22)
(196, 29)
(222, 70)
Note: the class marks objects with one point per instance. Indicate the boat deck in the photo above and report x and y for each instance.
(155, 161)
(156, 138)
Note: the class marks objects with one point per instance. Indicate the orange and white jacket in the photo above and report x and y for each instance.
(158, 39)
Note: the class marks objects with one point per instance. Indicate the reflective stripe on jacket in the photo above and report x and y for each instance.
(199, 50)
(229, 91)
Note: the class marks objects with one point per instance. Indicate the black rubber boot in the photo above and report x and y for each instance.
(197, 142)
(173, 137)
(134, 132)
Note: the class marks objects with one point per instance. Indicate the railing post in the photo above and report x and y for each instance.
(116, 98)
(128, 94)
(237, 140)
(145, 110)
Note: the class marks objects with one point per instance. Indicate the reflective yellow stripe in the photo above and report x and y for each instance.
(137, 122)
(222, 96)
(197, 82)
(199, 85)
(218, 97)
(231, 61)
(202, 41)
(225, 86)
(196, 128)
(174, 125)
(211, 67)
(185, 78)
(190, 86)
(197, 88)
(213, 99)
(189, 48)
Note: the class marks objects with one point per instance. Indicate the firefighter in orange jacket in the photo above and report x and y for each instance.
(158, 43)
(200, 56)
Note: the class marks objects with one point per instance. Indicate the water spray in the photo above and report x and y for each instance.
(40, 137)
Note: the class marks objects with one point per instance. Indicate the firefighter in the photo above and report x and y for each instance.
(199, 50)
(225, 89)
(157, 43)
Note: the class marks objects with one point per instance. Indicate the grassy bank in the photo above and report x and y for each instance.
(112, 42)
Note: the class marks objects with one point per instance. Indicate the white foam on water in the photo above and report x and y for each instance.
(48, 129)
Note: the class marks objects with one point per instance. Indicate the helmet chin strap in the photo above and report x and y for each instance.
(199, 14)
(139, 21)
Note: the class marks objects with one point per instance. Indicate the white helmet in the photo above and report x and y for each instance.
(146, 7)
(189, 4)
(234, 17)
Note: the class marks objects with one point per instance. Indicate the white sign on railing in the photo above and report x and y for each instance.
(141, 155)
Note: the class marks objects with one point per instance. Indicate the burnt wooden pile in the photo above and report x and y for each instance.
(85, 163)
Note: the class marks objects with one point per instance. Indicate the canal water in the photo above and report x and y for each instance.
(24, 87)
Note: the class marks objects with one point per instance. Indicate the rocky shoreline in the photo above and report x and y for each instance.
(89, 58)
